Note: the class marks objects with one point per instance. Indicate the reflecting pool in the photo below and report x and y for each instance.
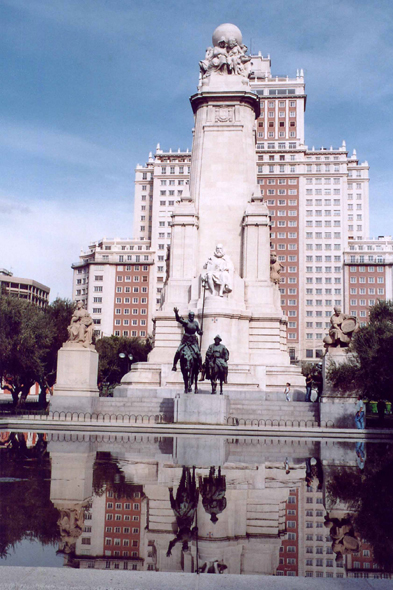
(276, 506)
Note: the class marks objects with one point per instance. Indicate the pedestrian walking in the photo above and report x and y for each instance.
(360, 414)
(287, 392)
(309, 384)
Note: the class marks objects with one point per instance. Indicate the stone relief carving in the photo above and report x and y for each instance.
(342, 328)
(228, 54)
(219, 272)
(275, 269)
(224, 115)
(80, 331)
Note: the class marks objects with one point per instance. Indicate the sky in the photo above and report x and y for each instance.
(89, 87)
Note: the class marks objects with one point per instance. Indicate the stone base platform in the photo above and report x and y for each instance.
(77, 369)
(76, 388)
(201, 409)
(240, 377)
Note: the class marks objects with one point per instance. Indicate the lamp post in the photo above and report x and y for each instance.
(128, 358)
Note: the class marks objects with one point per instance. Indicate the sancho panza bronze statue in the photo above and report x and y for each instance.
(216, 363)
(188, 352)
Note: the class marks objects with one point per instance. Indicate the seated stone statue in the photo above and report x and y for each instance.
(219, 272)
(275, 269)
(342, 328)
(81, 328)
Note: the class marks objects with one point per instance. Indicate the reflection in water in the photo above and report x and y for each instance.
(184, 508)
(25, 508)
(213, 488)
(250, 506)
(314, 472)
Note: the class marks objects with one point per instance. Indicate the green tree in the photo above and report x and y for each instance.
(29, 340)
(369, 370)
(111, 367)
(58, 315)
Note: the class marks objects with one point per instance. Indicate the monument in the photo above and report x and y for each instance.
(220, 259)
(337, 408)
(77, 366)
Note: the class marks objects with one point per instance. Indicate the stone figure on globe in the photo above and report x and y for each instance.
(228, 54)
(219, 272)
(342, 328)
(80, 331)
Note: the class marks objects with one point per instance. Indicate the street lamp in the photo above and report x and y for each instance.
(128, 358)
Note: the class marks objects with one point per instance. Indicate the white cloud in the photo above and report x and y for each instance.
(43, 243)
(55, 145)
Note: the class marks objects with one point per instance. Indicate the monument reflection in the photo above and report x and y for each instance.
(213, 505)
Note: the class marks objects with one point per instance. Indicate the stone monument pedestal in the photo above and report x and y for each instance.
(76, 386)
(201, 409)
(338, 356)
(77, 369)
(336, 410)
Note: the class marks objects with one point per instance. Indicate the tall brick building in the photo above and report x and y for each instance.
(112, 278)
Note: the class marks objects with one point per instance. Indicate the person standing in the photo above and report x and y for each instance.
(360, 416)
(287, 392)
(309, 384)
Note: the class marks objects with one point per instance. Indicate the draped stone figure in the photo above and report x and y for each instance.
(219, 272)
(275, 269)
(80, 331)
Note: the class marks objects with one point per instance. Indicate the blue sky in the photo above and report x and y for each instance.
(90, 86)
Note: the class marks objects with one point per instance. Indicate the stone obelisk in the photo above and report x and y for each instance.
(221, 237)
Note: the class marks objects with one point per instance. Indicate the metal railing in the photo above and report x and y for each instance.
(146, 419)
(254, 422)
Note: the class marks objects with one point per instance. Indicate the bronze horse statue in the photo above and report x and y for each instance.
(190, 367)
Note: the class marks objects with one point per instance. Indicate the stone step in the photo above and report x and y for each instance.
(273, 411)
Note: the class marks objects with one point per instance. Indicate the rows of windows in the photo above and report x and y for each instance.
(369, 269)
(371, 291)
(135, 278)
(127, 300)
(133, 333)
(132, 322)
(172, 169)
(134, 310)
(280, 146)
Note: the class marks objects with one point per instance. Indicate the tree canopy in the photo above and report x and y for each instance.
(30, 338)
(369, 369)
(111, 367)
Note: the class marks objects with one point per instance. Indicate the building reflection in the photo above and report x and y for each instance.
(159, 503)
